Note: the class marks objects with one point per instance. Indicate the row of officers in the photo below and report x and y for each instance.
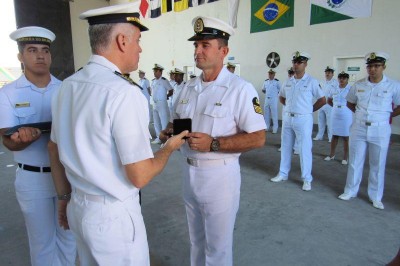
(86, 174)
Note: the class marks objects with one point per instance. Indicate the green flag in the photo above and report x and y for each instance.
(271, 15)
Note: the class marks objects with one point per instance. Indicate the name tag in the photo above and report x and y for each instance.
(25, 104)
(184, 101)
(218, 104)
(360, 90)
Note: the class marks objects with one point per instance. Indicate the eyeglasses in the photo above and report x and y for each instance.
(374, 65)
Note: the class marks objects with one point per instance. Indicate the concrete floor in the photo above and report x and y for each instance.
(277, 224)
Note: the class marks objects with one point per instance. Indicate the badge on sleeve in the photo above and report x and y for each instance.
(257, 107)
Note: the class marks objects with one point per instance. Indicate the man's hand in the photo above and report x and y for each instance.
(165, 134)
(199, 141)
(21, 139)
(175, 142)
(62, 214)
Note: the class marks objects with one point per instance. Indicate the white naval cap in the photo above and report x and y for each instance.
(328, 68)
(33, 34)
(376, 57)
(157, 66)
(230, 65)
(210, 28)
(141, 71)
(300, 56)
(122, 13)
(178, 71)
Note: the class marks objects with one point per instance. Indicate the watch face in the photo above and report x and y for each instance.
(215, 145)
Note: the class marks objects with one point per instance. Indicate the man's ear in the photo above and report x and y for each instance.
(122, 41)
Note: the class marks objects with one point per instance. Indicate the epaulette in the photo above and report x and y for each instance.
(266, 79)
(127, 79)
(163, 78)
(277, 79)
(79, 69)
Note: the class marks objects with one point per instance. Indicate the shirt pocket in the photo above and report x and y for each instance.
(183, 109)
(219, 119)
(25, 114)
(384, 98)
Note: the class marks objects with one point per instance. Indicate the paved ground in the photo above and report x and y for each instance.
(277, 224)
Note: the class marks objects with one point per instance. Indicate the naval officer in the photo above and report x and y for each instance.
(297, 97)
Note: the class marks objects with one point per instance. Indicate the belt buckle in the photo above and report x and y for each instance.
(368, 123)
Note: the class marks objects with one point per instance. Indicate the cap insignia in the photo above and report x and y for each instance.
(372, 56)
(297, 54)
(198, 26)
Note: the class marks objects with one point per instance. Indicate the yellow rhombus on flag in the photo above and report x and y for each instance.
(282, 8)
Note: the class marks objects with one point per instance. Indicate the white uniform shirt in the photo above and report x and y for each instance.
(144, 83)
(374, 101)
(22, 102)
(338, 95)
(271, 88)
(100, 123)
(160, 88)
(226, 107)
(328, 85)
(299, 94)
(177, 90)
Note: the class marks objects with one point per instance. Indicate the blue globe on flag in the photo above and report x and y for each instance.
(271, 12)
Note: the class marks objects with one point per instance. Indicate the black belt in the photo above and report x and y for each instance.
(34, 168)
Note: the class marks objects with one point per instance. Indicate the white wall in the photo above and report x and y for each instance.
(166, 41)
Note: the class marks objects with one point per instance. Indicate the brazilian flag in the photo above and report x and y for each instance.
(271, 15)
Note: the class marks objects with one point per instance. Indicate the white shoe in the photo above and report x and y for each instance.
(329, 158)
(295, 152)
(377, 204)
(279, 149)
(344, 162)
(274, 131)
(278, 178)
(156, 141)
(345, 196)
(330, 141)
(306, 186)
(316, 138)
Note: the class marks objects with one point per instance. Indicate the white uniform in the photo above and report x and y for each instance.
(159, 91)
(211, 180)
(100, 124)
(271, 89)
(172, 83)
(370, 131)
(144, 83)
(298, 122)
(341, 115)
(324, 113)
(22, 102)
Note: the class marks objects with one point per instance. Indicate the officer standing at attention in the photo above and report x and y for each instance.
(371, 100)
(271, 89)
(28, 100)
(324, 114)
(297, 97)
(179, 84)
(231, 67)
(161, 89)
(226, 120)
(172, 82)
(145, 85)
(100, 133)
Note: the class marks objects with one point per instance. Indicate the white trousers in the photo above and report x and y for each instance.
(211, 196)
(160, 116)
(375, 139)
(108, 231)
(324, 120)
(271, 110)
(300, 128)
(49, 244)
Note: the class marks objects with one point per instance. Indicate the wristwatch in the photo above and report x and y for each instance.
(214, 145)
